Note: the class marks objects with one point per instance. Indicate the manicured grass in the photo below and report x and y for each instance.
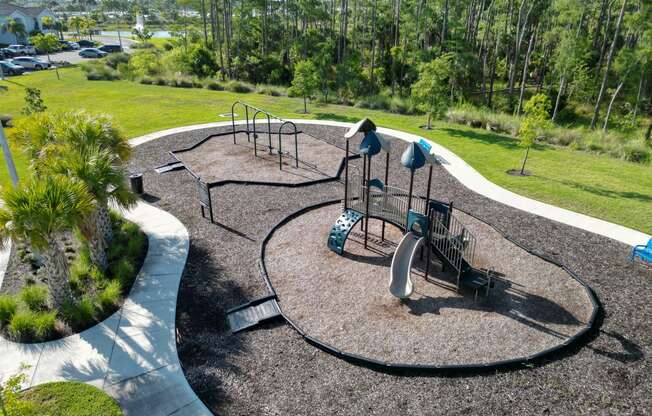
(600, 186)
(71, 399)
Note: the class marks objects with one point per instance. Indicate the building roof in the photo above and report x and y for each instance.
(8, 8)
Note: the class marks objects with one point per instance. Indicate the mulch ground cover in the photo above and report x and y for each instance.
(345, 302)
(273, 371)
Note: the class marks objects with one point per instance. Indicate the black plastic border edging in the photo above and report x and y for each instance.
(513, 363)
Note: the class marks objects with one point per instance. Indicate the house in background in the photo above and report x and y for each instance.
(30, 17)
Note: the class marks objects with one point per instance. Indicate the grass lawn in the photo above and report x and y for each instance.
(600, 186)
(71, 399)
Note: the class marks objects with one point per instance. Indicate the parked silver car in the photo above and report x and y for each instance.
(28, 62)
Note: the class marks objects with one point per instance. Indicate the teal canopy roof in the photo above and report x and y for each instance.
(416, 156)
(373, 143)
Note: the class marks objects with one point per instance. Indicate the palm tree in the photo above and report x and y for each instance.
(76, 22)
(102, 174)
(51, 138)
(15, 27)
(36, 212)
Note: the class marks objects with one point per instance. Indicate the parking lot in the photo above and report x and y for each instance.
(73, 57)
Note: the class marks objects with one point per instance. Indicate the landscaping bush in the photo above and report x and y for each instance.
(214, 85)
(147, 80)
(29, 325)
(239, 87)
(143, 45)
(35, 297)
(110, 296)
(180, 82)
(115, 59)
(270, 90)
(202, 62)
(79, 314)
(374, 102)
(98, 71)
(638, 152)
(123, 270)
(8, 307)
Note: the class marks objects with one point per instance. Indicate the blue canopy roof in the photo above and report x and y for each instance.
(373, 143)
(416, 156)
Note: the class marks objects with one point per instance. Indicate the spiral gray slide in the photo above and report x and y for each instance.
(400, 282)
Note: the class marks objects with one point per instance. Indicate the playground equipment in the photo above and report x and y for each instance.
(644, 252)
(400, 280)
(427, 223)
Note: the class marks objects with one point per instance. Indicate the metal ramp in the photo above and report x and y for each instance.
(253, 313)
(168, 167)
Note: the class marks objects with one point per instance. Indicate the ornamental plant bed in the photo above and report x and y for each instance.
(26, 314)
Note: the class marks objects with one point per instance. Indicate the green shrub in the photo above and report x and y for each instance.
(29, 325)
(142, 45)
(135, 246)
(239, 87)
(270, 90)
(147, 80)
(637, 151)
(115, 59)
(8, 307)
(44, 323)
(180, 82)
(110, 296)
(98, 71)
(35, 297)
(202, 62)
(374, 102)
(214, 86)
(123, 270)
(79, 314)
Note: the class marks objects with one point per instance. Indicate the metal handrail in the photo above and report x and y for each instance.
(296, 145)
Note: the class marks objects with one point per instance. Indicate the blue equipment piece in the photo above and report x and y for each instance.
(376, 183)
(341, 229)
(644, 252)
(416, 156)
(417, 223)
(370, 145)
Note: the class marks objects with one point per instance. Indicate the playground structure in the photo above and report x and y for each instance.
(404, 235)
(428, 224)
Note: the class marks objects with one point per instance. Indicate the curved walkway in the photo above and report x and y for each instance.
(470, 178)
(132, 355)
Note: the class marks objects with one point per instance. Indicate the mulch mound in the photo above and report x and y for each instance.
(345, 302)
(273, 371)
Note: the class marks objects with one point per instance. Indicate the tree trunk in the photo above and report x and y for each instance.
(525, 68)
(203, 16)
(611, 103)
(648, 134)
(562, 85)
(603, 86)
(444, 27)
(429, 127)
(57, 273)
(104, 223)
(527, 152)
(638, 95)
(305, 105)
(373, 43)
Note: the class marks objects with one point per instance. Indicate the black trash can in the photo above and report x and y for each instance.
(136, 182)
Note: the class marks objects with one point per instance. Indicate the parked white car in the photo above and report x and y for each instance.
(30, 63)
(22, 49)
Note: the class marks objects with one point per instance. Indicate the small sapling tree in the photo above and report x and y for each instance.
(537, 113)
(305, 82)
(431, 91)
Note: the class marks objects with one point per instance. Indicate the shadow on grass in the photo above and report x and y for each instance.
(601, 191)
(483, 136)
(336, 117)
